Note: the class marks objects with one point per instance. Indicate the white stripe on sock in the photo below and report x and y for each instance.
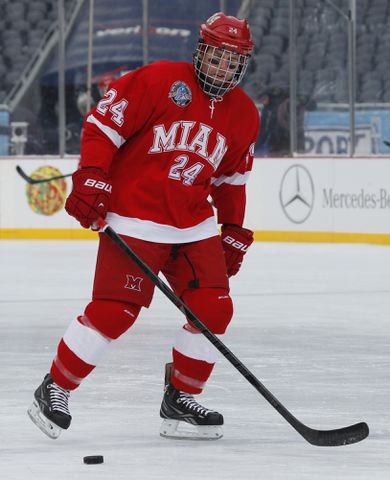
(85, 342)
(195, 345)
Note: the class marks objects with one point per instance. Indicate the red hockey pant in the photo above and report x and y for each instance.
(196, 272)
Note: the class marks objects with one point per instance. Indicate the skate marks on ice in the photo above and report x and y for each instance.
(322, 352)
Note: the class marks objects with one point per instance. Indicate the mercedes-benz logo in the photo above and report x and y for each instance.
(297, 193)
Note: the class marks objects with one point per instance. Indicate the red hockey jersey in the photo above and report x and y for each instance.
(167, 147)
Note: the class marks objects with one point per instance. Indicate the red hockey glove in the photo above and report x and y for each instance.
(235, 242)
(90, 196)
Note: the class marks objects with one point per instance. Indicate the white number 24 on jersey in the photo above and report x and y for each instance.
(117, 109)
(186, 175)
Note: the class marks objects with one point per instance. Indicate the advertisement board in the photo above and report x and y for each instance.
(36, 210)
(288, 199)
(327, 133)
(320, 199)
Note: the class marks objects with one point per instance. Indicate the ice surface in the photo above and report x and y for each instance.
(312, 323)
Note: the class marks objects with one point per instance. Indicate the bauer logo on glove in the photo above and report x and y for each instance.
(235, 242)
(90, 196)
(91, 182)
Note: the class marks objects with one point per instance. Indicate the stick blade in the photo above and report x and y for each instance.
(338, 437)
(24, 175)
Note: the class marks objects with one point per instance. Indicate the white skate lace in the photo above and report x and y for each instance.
(59, 398)
(189, 401)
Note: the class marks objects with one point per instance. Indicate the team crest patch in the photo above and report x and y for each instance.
(180, 94)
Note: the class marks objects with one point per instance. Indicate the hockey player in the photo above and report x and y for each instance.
(163, 139)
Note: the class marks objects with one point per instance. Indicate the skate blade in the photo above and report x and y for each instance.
(185, 431)
(44, 424)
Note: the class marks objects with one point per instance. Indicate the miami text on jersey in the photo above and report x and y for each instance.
(177, 138)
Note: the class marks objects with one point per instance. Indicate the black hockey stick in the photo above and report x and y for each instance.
(33, 181)
(386, 143)
(324, 438)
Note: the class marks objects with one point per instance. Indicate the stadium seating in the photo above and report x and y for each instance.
(321, 42)
(322, 49)
(321, 46)
(23, 24)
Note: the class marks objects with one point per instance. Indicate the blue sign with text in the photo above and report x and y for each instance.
(327, 133)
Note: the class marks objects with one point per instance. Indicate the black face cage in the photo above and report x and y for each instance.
(218, 70)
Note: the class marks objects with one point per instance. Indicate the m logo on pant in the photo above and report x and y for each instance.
(133, 283)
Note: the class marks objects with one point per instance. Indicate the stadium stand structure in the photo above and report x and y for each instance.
(321, 42)
(24, 26)
(117, 38)
(27, 26)
(28, 35)
(117, 48)
(29, 53)
(322, 48)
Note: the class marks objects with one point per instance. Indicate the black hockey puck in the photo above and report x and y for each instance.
(93, 459)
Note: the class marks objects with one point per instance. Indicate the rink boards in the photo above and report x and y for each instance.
(298, 199)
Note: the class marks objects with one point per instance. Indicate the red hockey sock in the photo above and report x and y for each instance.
(189, 374)
(68, 370)
(88, 338)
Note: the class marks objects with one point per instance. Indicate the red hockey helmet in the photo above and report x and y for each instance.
(222, 54)
(228, 33)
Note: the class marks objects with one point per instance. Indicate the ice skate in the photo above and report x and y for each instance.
(49, 410)
(185, 418)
